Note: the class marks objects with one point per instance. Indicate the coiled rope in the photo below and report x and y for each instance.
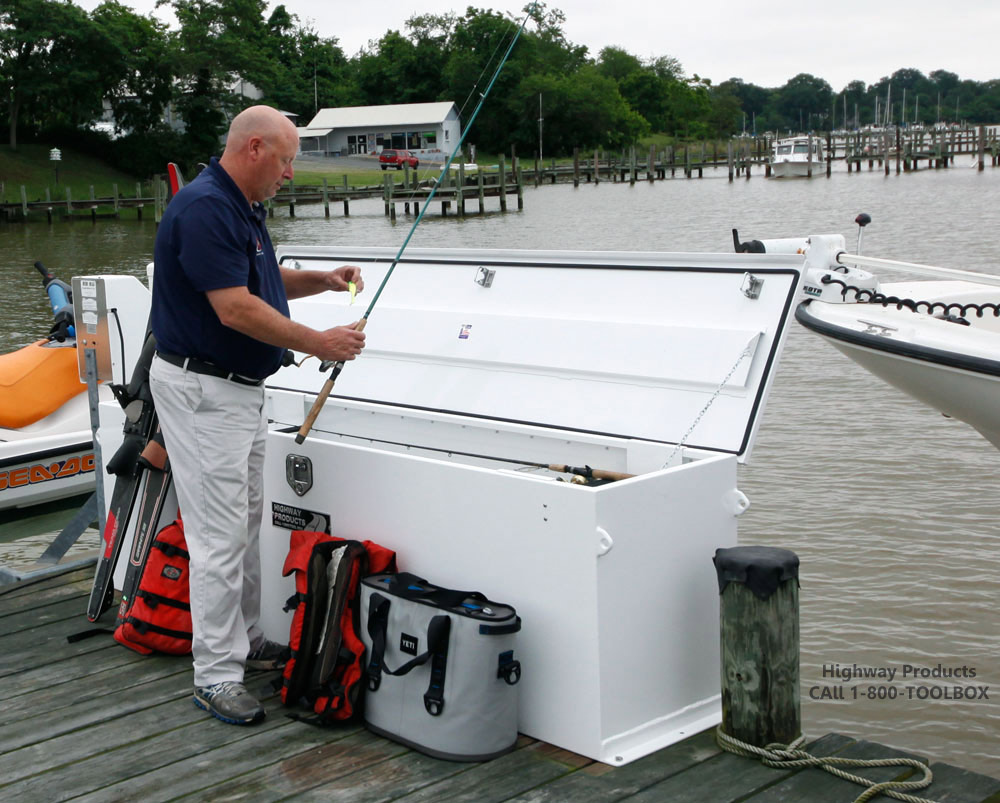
(782, 756)
(872, 297)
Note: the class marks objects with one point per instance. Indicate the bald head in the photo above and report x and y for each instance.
(258, 121)
(260, 149)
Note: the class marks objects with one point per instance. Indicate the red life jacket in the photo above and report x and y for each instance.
(158, 617)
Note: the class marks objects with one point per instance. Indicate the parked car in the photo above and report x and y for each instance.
(397, 159)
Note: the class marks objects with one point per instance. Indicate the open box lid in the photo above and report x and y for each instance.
(654, 346)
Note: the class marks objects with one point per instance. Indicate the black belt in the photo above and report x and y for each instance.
(200, 367)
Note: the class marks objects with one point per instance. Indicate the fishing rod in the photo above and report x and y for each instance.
(359, 327)
(580, 471)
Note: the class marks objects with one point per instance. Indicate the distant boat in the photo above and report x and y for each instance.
(794, 157)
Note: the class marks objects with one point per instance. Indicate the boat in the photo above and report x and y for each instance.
(46, 443)
(936, 339)
(799, 156)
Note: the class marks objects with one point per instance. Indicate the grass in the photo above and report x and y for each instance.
(29, 166)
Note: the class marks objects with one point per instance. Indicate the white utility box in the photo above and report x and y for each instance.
(608, 360)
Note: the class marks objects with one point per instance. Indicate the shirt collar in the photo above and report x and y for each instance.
(254, 210)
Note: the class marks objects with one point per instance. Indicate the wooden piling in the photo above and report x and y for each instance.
(519, 179)
(982, 148)
(729, 159)
(759, 628)
(326, 199)
(24, 202)
(460, 197)
(576, 167)
(597, 168)
(481, 191)
(503, 182)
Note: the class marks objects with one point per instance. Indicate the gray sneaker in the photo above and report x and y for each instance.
(230, 702)
(269, 655)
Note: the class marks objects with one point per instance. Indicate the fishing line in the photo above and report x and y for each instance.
(468, 97)
(339, 366)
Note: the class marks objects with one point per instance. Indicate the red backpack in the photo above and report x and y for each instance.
(158, 617)
(326, 668)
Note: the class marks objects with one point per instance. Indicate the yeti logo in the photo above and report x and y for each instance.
(408, 644)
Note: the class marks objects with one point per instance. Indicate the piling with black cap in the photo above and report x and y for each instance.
(759, 622)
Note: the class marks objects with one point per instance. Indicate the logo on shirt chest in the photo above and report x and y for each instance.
(260, 248)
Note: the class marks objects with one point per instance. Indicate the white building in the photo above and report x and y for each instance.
(421, 127)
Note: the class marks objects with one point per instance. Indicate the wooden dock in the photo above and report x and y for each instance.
(93, 721)
(458, 194)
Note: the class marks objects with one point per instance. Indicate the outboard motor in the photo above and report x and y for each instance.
(61, 298)
(823, 277)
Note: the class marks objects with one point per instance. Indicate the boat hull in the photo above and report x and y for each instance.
(790, 169)
(51, 459)
(945, 365)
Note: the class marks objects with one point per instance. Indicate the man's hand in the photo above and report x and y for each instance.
(339, 278)
(339, 343)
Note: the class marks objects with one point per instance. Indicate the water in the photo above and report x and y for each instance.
(888, 504)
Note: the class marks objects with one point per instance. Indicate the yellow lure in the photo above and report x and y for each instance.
(354, 290)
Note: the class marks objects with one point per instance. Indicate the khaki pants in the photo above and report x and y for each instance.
(214, 432)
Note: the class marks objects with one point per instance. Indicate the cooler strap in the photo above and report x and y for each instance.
(438, 633)
(409, 586)
(378, 618)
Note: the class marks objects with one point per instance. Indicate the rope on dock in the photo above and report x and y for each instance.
(781, 756)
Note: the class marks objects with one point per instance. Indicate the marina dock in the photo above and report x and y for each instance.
(93, 721)
(465, 191)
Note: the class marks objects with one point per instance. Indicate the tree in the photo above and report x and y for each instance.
(582, 110)
(309, 72)
(50, 58)
(803, 96)
(618, 64)
(219, 44)
(136, 66)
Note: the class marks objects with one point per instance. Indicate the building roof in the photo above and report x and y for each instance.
(393, 114)
(312, 132)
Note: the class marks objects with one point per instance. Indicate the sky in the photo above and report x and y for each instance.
(840, 42)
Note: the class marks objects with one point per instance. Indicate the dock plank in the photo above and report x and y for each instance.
(599, 782)
(58, 751)
(59, 610)
(955, 785)
(67, 670)
(15, 598)
(501, 779)
(817, 786)
(727, 777)
(326, 771)
(41, 715)
(120, 767)
(47, 642)
(274, 741)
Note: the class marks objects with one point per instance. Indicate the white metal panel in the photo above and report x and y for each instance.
(625, 344)
(605, 674)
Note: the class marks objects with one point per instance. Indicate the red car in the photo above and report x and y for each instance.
(397, 159)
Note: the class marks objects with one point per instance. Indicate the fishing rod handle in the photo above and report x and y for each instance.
(324, 392)
(601, 474)
(595, 473)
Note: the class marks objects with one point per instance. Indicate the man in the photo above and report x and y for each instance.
(220, 318)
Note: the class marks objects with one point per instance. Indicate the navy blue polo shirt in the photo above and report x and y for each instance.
(210, 238)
